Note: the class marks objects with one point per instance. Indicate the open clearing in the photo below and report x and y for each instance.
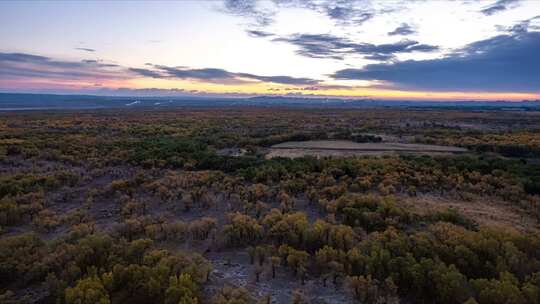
(320, 148)
(488, 212)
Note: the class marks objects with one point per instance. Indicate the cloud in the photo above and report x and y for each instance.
(524, 26)
(280, 79)
(342, 12)
(85, 49)
(28, 66)
(146, 72)
(319, 45)
(333, 47)
(217, 75)
(21, 57)
(403, 30)
(99, 63)
(499, 6)
(21, 65)
(380, 57)
(203, 74)
(346, 12)
(259, 34)
(248, 9)
(502, 63)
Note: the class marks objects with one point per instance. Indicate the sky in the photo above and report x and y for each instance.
(413, 50)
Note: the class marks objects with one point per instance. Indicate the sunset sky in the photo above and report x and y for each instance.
(411, 50)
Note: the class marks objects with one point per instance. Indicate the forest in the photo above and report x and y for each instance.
(150, 206)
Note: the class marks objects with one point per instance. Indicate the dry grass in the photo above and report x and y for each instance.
(321, 148)
(485, 211)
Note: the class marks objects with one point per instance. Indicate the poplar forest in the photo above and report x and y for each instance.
(240, 205)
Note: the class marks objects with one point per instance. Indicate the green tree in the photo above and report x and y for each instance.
(87, 291)
(182, 289)
(274, 263)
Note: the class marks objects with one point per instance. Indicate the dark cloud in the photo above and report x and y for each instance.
(501, 63)
(319, 45)
(217, 75)
(403, 30)
(146, 72)
(280, 79)
(85, 49)
(205, 74)
(380, 57)
(329, 46)
(99, 63)
(35, 66)
(345, 12)
(418, 47)
(202, 74)
(259, 34)
(342, 12)
(499, 6)
(21, 57)
(250, 10)
(20, 65)
(524, 26)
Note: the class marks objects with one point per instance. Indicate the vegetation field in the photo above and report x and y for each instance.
(185, 206)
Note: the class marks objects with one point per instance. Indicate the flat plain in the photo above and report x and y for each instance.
(206, 205)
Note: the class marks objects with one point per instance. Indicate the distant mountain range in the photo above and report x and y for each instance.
(17, 101)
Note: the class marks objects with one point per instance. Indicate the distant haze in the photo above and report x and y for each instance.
(13, 102)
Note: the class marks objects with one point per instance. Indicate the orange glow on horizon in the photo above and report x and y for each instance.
(260, 88)
(257, 88)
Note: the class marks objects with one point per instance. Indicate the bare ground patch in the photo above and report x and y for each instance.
(321, 148)
(486, 211)
(232, 267)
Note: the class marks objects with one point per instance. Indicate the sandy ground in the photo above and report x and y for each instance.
(349, 145)
(321, 148)
(486, 212)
